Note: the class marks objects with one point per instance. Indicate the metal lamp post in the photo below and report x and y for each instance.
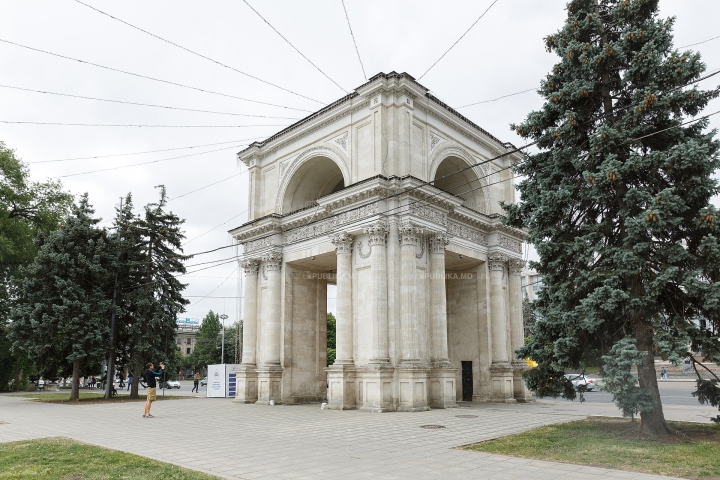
(223, 317)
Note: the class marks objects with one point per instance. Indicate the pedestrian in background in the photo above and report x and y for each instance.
(196, 383)
(663, 375)
(150, 375)
(130, 378)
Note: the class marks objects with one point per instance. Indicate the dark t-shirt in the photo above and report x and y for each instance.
(150, 378)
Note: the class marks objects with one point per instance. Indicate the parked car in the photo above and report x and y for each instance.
(578, 379)
(203, 382)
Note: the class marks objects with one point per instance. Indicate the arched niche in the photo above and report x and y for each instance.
(468, 184)
(310, 178)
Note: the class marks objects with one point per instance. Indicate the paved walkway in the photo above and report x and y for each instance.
(248, 441)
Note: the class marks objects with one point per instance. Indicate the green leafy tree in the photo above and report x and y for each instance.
(207, 342)
(27, 209)
(331, 338)
(153, 303)
(617, 204)
(61, 315)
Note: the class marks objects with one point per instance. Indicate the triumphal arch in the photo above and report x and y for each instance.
(392, 196)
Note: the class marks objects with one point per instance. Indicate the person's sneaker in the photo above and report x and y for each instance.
(150, 416)
(144, 416)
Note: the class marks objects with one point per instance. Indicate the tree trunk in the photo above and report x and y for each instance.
(136, 379)
(75, 388)
(653, 421)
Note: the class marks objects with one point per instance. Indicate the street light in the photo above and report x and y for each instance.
(223, 317)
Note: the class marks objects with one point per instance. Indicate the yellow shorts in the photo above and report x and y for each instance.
(151, 394)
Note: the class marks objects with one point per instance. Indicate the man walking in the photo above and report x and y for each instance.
(663, 375)
(130, 379)
(150, 375)
(196, 383)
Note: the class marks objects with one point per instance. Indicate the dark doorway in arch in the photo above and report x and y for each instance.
(467, 381)
(458, 180)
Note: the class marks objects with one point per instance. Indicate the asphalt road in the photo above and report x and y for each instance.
(671, 393)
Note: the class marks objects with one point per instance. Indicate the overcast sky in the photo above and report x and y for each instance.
(501, 55)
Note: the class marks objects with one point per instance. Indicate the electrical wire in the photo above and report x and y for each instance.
(458, 40)
(133, 125)
(147, 163)
(353, 39)
(147, 151)
(498, 98)
(698, 43)
(197, 54)
(148, 78)
(214, 228)
(294, 48)
(213, 291)
(207, 186)
(145, 104)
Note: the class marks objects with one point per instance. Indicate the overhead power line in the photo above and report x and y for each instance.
(147, 163)
(208, 186)
(698, 43)
(144, 104)
(353, 39)
(133, 125)
(498, 98)
(147, 151)
(149, 78)
(214, 289)
(458, 40)
(215, 228)
(197, 54)
(294, 48)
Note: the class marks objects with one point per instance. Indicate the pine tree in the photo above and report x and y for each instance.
(207, 342)
(617, 205)
(61, 316)
(157, 297)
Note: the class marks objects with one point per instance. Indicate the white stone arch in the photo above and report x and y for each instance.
(452, 149)
(303, 164)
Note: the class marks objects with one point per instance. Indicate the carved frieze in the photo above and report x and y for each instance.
(509, 243)
(256, 245)
(326, 227)
(343, 242)
(468, 233)
(428, 213)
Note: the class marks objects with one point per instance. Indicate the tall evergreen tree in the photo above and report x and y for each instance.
(207, 342)
(157, 297)
(27, 209)
(617, 205)
(61, 315)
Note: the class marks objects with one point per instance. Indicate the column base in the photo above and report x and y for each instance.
(341, 387)
(501, 376)
(246, 378)
(375, 388)
(269, 385)
(412, 388)
(443, 393)
(520, 391)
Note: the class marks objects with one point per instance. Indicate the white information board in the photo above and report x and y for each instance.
(217, 381)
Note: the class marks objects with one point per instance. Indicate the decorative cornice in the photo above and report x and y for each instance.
(510, 244)
(459, 230)
(343, 243)
(378, 233)
(326, 227)
(497, 261)
(273, 261)
(251, 267)
(255, 245)
(423, 211)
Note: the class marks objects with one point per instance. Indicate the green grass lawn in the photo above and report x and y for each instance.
(694, 452)
(62, 458)
(91, 398)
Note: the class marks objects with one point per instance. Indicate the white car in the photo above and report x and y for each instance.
(578, 379)
(172, 384)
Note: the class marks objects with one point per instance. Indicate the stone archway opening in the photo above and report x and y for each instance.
(315, 178)
(464, 184)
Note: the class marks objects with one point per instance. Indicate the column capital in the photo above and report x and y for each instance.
(438, 242)
(378, 233)
(410, 234)
(343, 242)
(516, 266)
(251, 267)
(273, 260)
(497, 261)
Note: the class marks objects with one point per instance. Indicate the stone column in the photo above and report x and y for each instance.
(270, 372)
(438, 300)
(245, 375)
(378, 265)
(409, 240)
(500, 370)
(341, 374)
(377, 376)
(517, 329)
(344, 335)
(443, 375)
